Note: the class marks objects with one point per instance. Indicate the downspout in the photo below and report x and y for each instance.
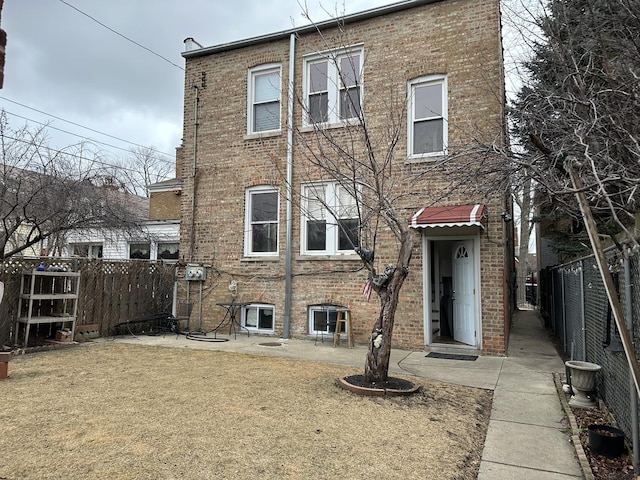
(633, 394)
(286, 328)
(193, 174)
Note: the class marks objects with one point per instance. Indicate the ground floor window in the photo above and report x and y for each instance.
(258, 317)
(140, 251)
(87, 250)
(323, 318)
(168, 251)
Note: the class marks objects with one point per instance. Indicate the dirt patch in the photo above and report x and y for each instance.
(134, 412)
(603, 468)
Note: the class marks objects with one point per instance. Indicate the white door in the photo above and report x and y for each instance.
(463, 293)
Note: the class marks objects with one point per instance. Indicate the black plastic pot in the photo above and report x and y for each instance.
(606, 440)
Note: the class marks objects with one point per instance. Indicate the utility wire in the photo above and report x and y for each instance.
(73, 155)
(76, 135)
(81, 126)
(121, 35)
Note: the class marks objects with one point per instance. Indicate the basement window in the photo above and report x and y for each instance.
(323, 319)
(258, 317)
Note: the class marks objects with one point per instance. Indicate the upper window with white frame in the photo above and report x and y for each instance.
(333, 87)
(264, 99)
(261, 221)
(427, 128)
(330, 220)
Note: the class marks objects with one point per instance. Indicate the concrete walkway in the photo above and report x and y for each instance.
(526, 439)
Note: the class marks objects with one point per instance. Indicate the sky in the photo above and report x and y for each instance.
(111, 72)
(63, 66)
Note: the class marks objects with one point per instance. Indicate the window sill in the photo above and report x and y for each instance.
(330, 126)
(425, 158)
(346, 257)
(259, 331)
(261, 135)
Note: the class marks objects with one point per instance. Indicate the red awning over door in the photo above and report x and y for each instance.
(452, 216)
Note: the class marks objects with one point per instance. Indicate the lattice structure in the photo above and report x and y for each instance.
(111, 291)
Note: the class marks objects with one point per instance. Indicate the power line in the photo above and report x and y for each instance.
(73, 155)
(81, 126)
(76, 135)
(121, 35)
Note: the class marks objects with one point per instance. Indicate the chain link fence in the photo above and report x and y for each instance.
(578, 312)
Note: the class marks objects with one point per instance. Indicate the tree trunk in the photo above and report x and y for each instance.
(376, 368)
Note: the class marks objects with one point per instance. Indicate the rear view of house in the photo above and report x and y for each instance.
(276, 232)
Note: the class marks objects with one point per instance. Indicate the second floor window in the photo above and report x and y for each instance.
(261, 221)
(264, 99)
(427, 129)
(330, 220)
(333, 87)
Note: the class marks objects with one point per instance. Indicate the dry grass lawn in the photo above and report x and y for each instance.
(116, 411)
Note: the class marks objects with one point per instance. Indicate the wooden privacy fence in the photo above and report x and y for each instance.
(111, 292)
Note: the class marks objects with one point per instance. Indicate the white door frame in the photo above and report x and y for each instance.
(426, 284)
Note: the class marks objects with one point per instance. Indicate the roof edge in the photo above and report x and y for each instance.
(165, 185)
(332, 22)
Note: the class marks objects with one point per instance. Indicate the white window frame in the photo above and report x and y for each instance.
(251, 81)
(331, 197)
(158, 246)
(248, 223)
(258, 307)
(91, 247)
(334, 84)
(328, 310)
(419, 82)
(141, 242)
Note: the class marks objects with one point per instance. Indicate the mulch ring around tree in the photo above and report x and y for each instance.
(393, 386)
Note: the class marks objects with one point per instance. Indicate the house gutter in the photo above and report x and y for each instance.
(312, 28)
(286, 328)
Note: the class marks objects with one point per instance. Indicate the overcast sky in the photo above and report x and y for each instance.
(61, 62)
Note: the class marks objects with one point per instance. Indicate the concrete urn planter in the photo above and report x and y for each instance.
(583, 381)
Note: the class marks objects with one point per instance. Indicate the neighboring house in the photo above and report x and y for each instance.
(158, 237)
(50, 214)
(445, 57)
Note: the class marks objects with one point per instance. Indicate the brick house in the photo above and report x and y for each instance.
(279, 235)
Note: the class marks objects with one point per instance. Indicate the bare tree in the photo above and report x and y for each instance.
(380, 187)
(582, 100)
(145, 166)
(45, 193)
(368, 176)
(578, 118)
